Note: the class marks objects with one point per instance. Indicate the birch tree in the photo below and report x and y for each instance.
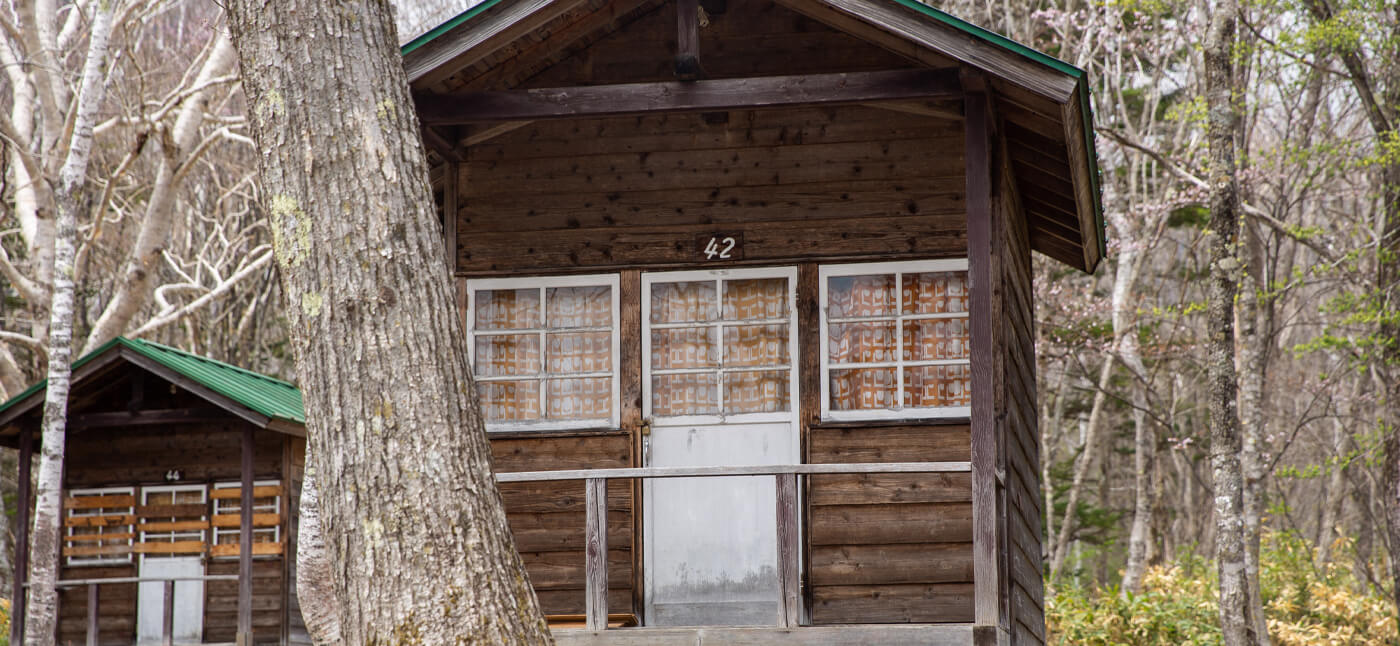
(395, 431)
(41, 619)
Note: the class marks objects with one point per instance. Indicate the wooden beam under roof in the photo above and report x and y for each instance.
(710, 95)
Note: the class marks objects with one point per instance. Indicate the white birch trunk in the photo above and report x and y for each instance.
(42, 609)
(315, 587)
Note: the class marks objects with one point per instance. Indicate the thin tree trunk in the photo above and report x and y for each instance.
(1081, 470)
(1225, 268)
(41, 617)
(411, 515)
(1254, 365)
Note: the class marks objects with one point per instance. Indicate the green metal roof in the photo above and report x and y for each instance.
(259, 393)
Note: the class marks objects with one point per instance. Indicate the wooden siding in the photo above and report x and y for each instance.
(833, 183)
(1021, 501)
(547, 518)
(133, 456)
(627, 40)
(889, 548)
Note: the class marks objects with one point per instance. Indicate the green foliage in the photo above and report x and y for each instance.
(1195, 216)
(1178, 605)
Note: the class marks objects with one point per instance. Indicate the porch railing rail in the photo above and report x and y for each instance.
(168, 601)
(596, 517)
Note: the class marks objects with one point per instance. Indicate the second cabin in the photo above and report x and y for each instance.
(791, 237)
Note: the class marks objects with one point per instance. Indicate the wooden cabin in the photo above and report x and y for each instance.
(162, 448)
(789, 238)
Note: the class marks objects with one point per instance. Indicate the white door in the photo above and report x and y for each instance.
(719, 350)
(189, 595)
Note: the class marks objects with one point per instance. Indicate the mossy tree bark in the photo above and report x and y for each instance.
(415, 528)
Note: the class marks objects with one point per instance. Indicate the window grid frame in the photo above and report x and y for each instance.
(898, 269)
(217, 506)
(99, 560)
(542, 284)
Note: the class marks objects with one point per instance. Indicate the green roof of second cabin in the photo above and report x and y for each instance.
(264, 395)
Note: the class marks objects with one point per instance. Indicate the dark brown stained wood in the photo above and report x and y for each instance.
(566, 570)
(688, 132)
(891, 524)
(167, 631)
(688, 40)
(548, 454)
(202, 453)
(890, 488)
(913, 603)
(593, 101)
(891, 564)
(570, 601)
(563, 531)
(93, 593)
(451, 176)
(543, 48)
(116, 608)
(1073, 118)
(629, 355)
(21, 557)
(909, 25)
(221, 600)
(461, 47)
(890, 444)
(893, 237)
(1024, 609)
(245, 547)
(751, 38)
(984, 395)
(145, 418)
(442, 145)
(527, 497)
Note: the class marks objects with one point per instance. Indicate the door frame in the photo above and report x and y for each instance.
(203, 562)
(793, 416)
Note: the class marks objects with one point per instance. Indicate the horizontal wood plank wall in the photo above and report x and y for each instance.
(221, 601)
(807, 184)
(547, 518)
(116, 610)
(1025, 587)
(890, 548)
(631, 41)
(204, 453)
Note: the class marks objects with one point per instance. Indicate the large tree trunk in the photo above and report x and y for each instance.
(411, 515)
(1225, 270)
(41, 612)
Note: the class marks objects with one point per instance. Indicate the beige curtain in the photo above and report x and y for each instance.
(873, 341)
(566, 350)
(753, 316)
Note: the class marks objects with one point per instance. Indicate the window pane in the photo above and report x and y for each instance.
(683, 302)
(852, 296)
(690, 347)
(508, 401)
(867, 342)
(755, 345)
(932, 339)
(579, 352)
(935, 293)
(692, 394)
(863, 389)
(589, 398)
(507, 355)
(759, 298)
(579, 306)
(756, 392)
(507, 309)
(928, 386)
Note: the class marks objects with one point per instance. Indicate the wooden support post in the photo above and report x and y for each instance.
(596, 553)
(790, 613)
(92, 614)
(449, 215)
(688, 40)
(18, 600)
(245, 544)
(986, 578)
(167, 631)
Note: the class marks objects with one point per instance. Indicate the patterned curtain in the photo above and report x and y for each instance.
(866, 319)
(720, 342)
(561, 348)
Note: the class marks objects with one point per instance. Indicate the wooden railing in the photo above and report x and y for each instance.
(168, 601)
(596, 517)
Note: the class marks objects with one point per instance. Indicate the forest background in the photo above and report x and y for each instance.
(173, 247)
